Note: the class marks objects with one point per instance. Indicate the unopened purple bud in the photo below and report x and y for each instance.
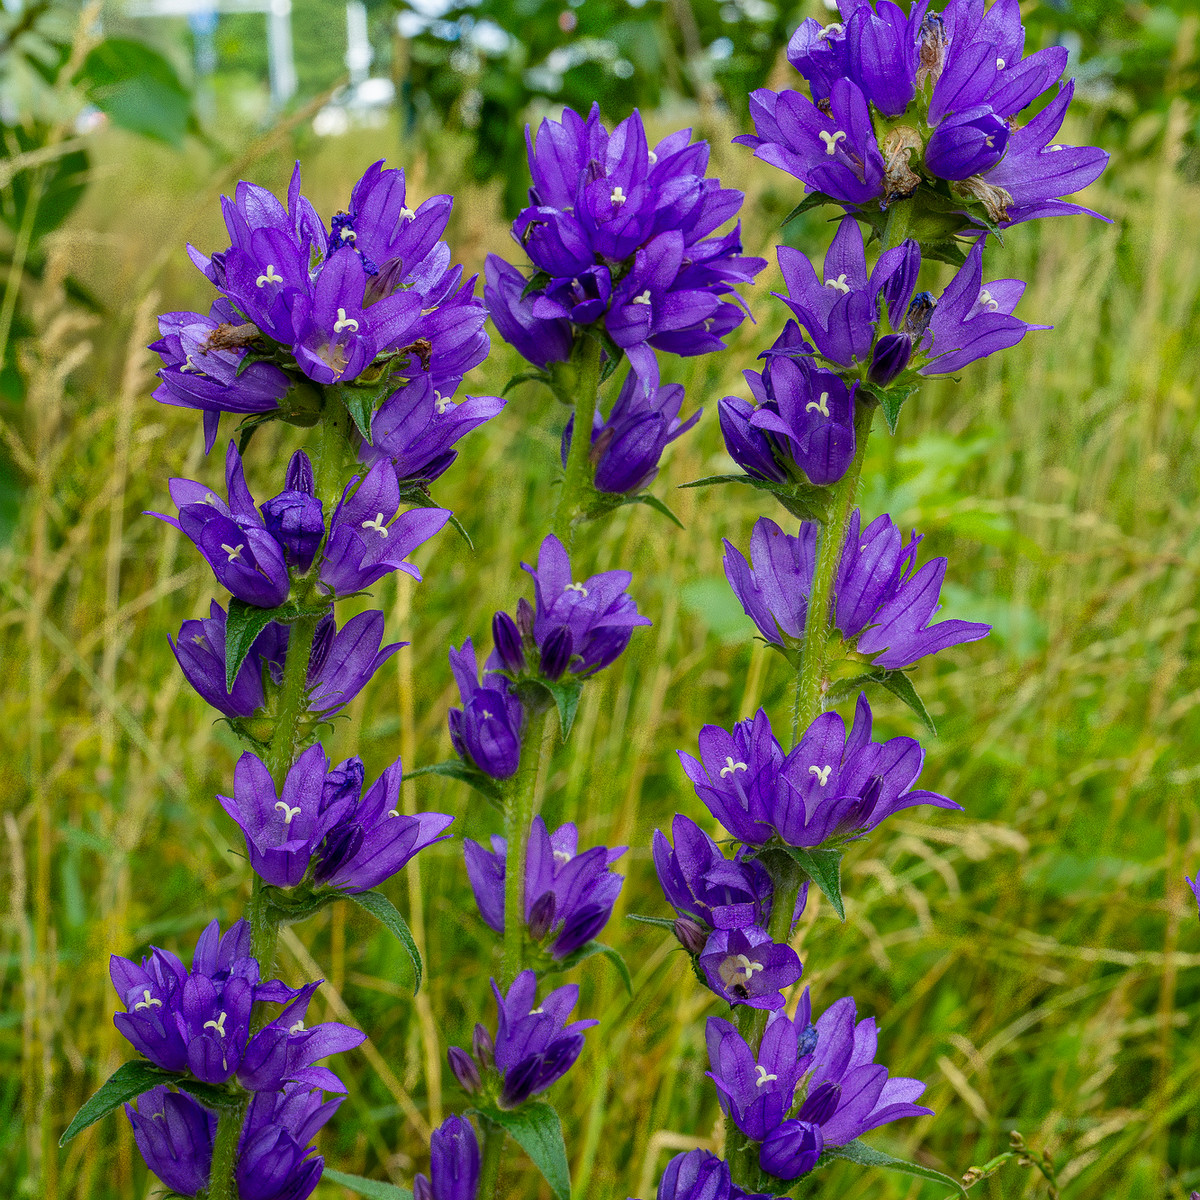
(891, 356)
(791, 1150)
(299, 477)
(525, 619)
(484, 1047)
(691, 935)
(541, 916)
(821, 1104)
(422, 1188)
(967, 144)
(556, 653)
(464, 1068)
(507, 639)
(916, 319)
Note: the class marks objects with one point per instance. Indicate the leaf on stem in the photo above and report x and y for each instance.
(803, 500)
(824, 868)
(361, 407)
(566, 694)
(859, 1152)
(895, 681)
(661, 922)
(127, 1081)
(655, 503)
(373, 1189)
(245, 622)
(386, 913)
(535, 1127)
(812, 200)
(455, 768)
(588, 950)
(525, 377)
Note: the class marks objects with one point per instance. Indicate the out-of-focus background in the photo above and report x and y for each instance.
(1036, 959)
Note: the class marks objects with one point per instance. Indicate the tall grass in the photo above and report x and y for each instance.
(1036, 958)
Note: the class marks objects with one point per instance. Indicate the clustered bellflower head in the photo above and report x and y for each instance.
(900, 100)
(372, 299)
(340, 665)
(454, 1163)
(175, 1135)
(569, 895)
(830, 788)
(198, 1021)
(534, 1046)
(323, 829)
(881, 606)
(623, 240)
(627, 444)
(846, 1093)
(701, 1175)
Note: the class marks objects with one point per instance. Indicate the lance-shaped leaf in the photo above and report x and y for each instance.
(455, 768)
(535, 1127)
(386, 913)
(373, 1189)
(859, 1152)
(824, 868)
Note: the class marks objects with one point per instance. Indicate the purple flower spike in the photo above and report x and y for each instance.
(627, 445)
(743, 966)
(454, 1163)
(175, 1136)
(487, 729)
(569, 895)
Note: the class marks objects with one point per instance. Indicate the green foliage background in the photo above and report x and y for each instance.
(1036, 958)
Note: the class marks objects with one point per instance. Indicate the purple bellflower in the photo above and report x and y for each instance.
(276, 1160)
(744, 966)
(627, 445)
(701, 1175)
(323, 828)
(623, 237)
(569, 896)
(948, 89)
(831, 787)
(534, 1045)
(175, 1136)
(454, 1163)
(487, 730)
(881, 605)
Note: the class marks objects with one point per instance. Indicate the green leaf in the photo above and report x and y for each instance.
(535, 1127)
(661, 922)
(386, 913)
(207, 1093)
(566, 693)
(137, 88)
(361, 407)
(655, 503)
(589, 950)
(824, 868)
(614, 957)
(867, 1156)
(843, 689)
(244, 623)
(373, 1189)
(803, 500)
(525, 377)
(899, 684)
(537, 281)
(127, 1081)
(812, 200)
(455, 768)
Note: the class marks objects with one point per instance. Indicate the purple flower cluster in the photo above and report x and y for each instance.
(569, 895)
(830, 788)
(623, 240)
(321, 829)
(881, 604)
(534, 1046)
(844, 1092)
(373, 299)
(901, 99)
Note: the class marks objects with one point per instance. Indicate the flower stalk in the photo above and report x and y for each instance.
(577, 478)
(492, 1153)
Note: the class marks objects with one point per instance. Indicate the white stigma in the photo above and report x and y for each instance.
(831, 140)
(764, 1076)
(999, 64)
(562, 856)
(440, 402)
(209, 498)
(147, 1001)
(288, 812)
(748, 967)
(487, 716)
(376, 525)
(822, 774)
(218, 1024)
(986, 299)
(644, 298)
(348, 235)
(731, 766)
(234, 551)
(830, 30)
(576, 587)
(1054, 148)
(269, 276)
(652, 156)
(393, 812)
(344, 322)
(297, 1028)
(822, 405)
(839, 284)
(407, 212)
(195, 370)
(618, 196)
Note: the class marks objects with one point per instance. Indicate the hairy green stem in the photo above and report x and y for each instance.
(489, 1167)
(224, 1161)
(578, 476)
(519, 809)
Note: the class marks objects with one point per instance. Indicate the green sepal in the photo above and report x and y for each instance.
(586, 951)
(891, 398)
(661, 922)
(811, 201)
(895, 681)
(386, 913)
(537, 281)
(803, 500)
(373, 1189)
(535, 1127)
(291, 905)
(565, 693)
(859, 1152)
(455, 768)
(824, 868)
(361, 408)
(246, 621)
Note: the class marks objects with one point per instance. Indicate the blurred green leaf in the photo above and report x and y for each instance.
(386, 913)
(138, 89)
(535, 1127)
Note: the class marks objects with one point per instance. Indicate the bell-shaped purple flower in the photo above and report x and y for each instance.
(295, 518)
(175, 1136)
(275, 1158)
(454, 1163)
(487, 729)
(539, 340)
(344, 660)
(968, 143)
(569, 896)
(627, 445)
(792, 1149)
(200, 652)
(744, 966)
(696, 1175)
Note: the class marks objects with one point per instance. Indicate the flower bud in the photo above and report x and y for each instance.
(891, 356)
(966, 144)
(541, 916)
(507, 640)
(422, 1189)
(296, 521)
(481, 1043)
(791, 1150)
(691, 935)
(556, 653)
(525, 619)
(464, 1068)
(299, 477)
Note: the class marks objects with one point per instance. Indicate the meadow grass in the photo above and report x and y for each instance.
(1036, 958)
